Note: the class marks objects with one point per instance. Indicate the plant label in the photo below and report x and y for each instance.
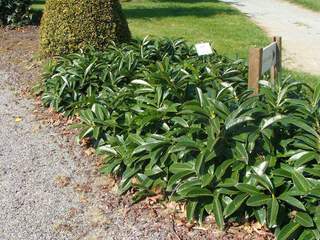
(269, 57)
(203, 49)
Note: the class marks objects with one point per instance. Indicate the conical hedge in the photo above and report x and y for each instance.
(70, 25)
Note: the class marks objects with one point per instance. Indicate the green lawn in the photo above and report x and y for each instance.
(231, 32)
(312, 4)
(38, 4)
(310, 79)
(203, 20)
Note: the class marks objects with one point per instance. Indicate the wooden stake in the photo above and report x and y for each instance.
(255, 68)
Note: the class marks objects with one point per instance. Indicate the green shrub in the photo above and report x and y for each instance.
(13, 12)
(167, 118)
(68, 26)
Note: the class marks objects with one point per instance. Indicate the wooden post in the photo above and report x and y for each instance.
(255, 69)
(276, 69)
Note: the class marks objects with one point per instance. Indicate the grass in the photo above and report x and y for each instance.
(309, 79)
(311, 4)
(36, 10)
(37, 5)
(231, 32)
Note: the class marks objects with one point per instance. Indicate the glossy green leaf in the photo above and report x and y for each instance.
(107, 149)
(302, 158)
(180, 121)
(248, 188)
(265, 181)
(288, 230)
(268, 122)
(301, 124)
(304, 219)
(222, 168)
(292, 201)
(191, 207)
(273, 210)
(217, 211)
(175, 179)
(194, 192)
(261, 215)
(307, 235)
(235, 204)
(300, 181)
(241, 120)
(199, 163)
(258, 200)
(180, 167)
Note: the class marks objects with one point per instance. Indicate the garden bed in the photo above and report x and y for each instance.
(19, 59)
(186, 127)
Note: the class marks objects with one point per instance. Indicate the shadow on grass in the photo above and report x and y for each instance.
(159, 12)
(187, 1)
(163, 12)
(36, 15)
(38, 1)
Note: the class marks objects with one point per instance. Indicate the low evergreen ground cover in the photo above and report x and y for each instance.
(167, 119)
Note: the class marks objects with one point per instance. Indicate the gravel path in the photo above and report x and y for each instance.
(299, 28)
(30, 159)
(51, 189)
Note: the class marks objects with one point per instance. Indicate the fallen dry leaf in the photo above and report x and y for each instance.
(62, 227)
(72, 212)
(18, 119)
(62, 181)
(90, 151)
(83, 188)
(83, 199)
(97, 217)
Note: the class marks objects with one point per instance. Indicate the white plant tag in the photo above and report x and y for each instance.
(203, 49)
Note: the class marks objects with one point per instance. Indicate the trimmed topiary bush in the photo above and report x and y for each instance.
(68, 26)
(14, 11)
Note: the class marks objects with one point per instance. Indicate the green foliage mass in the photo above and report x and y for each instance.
(164, 117)
(14, 12)
(68, 26)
